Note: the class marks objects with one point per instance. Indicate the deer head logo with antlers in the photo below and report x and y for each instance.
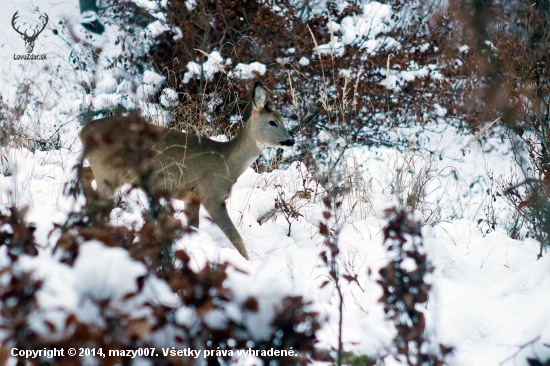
(30, 39)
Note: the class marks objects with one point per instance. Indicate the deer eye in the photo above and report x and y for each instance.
(273, 123)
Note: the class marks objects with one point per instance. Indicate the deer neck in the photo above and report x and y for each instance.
(243, 150)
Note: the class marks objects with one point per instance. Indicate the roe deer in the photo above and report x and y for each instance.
(194, 169)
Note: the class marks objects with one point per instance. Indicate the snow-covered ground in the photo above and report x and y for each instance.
(489, 291)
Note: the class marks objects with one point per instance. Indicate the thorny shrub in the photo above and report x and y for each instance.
(504, 77)
(405, 288)
(289, 208)
(330, 230)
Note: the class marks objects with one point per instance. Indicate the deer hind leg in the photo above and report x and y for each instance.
(85, 178)
(104, 178)
(99, 201)
(105, 189)
(192, 209)
(106, 186)
(218, 212)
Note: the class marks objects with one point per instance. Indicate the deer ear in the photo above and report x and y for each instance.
(259, 96)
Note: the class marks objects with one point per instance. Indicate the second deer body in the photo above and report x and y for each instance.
(194, 169)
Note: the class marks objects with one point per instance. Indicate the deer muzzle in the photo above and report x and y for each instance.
(289, 142)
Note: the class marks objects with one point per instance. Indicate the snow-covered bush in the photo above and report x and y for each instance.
(172, 304)
(351, 78)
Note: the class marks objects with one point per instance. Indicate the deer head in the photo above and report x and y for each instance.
(29, 39)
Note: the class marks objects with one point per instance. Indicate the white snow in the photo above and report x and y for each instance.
(463, 49)
(169, 98)
(361, 30)
(247, 71)
(212, 66)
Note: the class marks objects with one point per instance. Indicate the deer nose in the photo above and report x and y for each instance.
(289, 142)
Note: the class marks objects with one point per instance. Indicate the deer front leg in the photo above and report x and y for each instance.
(218, 212)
